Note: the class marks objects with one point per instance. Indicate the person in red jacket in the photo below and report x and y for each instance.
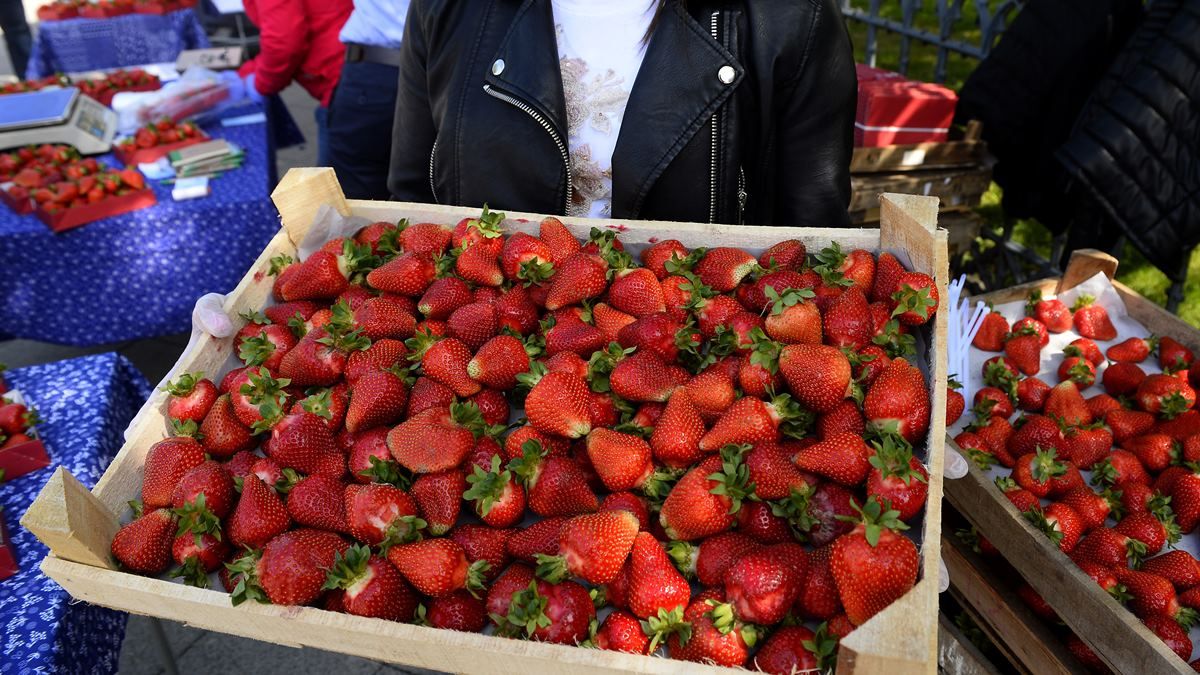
(299, 42)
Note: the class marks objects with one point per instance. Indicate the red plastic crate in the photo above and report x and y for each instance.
(23, 458)
(153, 154)
(902, 112)
(18, 206)
(96, 12)
(66, 219)
(8, 553)
(56, 12)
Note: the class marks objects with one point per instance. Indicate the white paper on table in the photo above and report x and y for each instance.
(329, 224)
(1107, 297)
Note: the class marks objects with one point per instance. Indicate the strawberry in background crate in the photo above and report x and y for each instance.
(21, 451)
(158, 139)
(71, 203)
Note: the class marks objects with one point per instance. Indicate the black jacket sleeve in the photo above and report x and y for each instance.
(413, 131)
(816, 127)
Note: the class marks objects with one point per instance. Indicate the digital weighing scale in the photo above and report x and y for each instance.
(56, 116)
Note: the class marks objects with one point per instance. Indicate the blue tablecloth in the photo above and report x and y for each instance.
(137, 275)
(77, 45)
(86, 404)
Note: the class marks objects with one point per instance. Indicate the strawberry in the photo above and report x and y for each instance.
(708, 496)
(723, 268)
(817, 375)
(1086, 445)
(1078, 370)
(762, 586)
(1165, 395)
(167, 462)
(303, 441)
(1126, 424)
(436, 439)
(1147, 528)
(643, 377)
(915, 300)
(796, 649)
(555, 485)
(479, 265)
(316, 501)
(1037, 471)
(637, 292)
(897, 477)
(888, 271)
(291, 569)
(459, 611)
(1101, 404)
(196, 556)
(1185, 500)
(580, 277)
(1177, 566)
(1087, 349)
(1109, 549)
(773, 473)
(794, 318)
(623, 461)
(381, 515)
(621, 632)
(143, 546)
(873, 565)
(1155, 451)
(203, 497)
(1118, 468)
(319, 277)
(995, 400)
(1180, 428)
(557, 403)
(377, 398)
(1122, 378)
(443, 296)
(439, 497)
(593, 546)
(373, 587)
(484, 543)
(676, 438)
(1060, 523)
(856, 266)
(1133, 350)
(1091, 320)
(1152, 595)
(191, 397)
(258, 516)
(540, 537)
(437, 567)
(898, 402)
(1023, 351)
(1066, 403)
(1053, 313)
(752, 420)
(558, 238)
(556, 613)
(1172, 632)
(656, 333)
(955, 403)
(426, 394)
(266, 346)
(843, 457)
(992, 333)
(498, 362)
(728, 644)
(444, 360)
(498, 497)
(1173, 356)
(818, 589)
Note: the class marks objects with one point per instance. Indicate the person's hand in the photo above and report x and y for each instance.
(251, 90)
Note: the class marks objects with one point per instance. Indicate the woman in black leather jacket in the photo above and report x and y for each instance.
(741, 112)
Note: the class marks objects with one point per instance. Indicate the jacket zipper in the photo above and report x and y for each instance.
(741, 195)
(716, 125)
(432, 189)
(558, 141)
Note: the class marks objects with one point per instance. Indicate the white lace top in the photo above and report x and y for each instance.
(600, 51)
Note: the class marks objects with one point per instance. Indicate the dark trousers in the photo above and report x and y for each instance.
(17, 36)
(360, 128)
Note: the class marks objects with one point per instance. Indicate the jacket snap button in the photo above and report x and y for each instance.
(726, 74)
(498, 67)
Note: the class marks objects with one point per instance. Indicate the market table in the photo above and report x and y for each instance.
(137, 275)
(78, 45)
(85, 403)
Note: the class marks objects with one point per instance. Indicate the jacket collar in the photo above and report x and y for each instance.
(530, 70)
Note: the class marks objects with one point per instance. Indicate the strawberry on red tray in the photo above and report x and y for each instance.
(697, 417)
(156, 140)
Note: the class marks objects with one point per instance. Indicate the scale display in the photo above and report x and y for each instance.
(56, 116)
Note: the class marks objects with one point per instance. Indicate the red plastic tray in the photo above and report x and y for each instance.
(144, 155)
(19, 207)
(157, 7)
(56, 12)
(107, 97)
(8, 553)
(94, 12)
(23, 458)
(67, 219)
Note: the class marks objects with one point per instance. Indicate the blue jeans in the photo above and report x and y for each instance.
(322, 116)
(17, 37)
(360, 128)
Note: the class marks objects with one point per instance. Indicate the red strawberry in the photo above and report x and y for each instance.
(898, 401)
(1060, 523)
(1085, 446)
(409, 273)
(291, 570)
(676, 438)
(643, 377)
(1152, 595)
(516, 311)
(723, 268)
(1148, 529)
(458, 611)
(656, 256)
(191, 397)
(1078, 370)
(773, 473)
(196, 556)
(484, 543)
(380, 318)
(1066, 403)
(817, 375)
(794, 318)
(1023, 351)
(144, 545)
(888, 271)
(258, 517)
(1035, 471)
(843, 457)
(1173, 356)
(203, 497)
(818, 590)
(1173, 631)
(560, 240)
(847, 322)
(1122, 379)
(480, 265)
(167, 461)
(526, 258)
(580, 277)
(316, 501)
(796, 649)
(498, 362)
(637, 292)
(381, 355)
(381, 515)
(622, 632)
(1133, 350)
(992, 333)
(873, 564)
(1126, 424)
(540, 537)
(592, 546)
(1177, 566)
(705, 500)
(1165, 395)
(221, 433)
(556, 613)
(727, 644)
(995, 401)
(1053, 313)
(1155, 451)
(1091, 320)
(437, 567)
(955, 403)
(557, 403)
(762, 586)
(1118, 468)
(424, 237)
(711, 392)
(303, 441)
(373, 587)
(621, 460)
(1085, 348)
(915, 300)
(1101, 404)
(497, 494)
(443, 297)
(751, 420)
(556, 486)
(436, 439)
(439, 497)
(377, 398)
(319, 277)
(857, 266)
(897, 477)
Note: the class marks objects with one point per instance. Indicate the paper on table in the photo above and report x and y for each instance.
(1107, 297)
(329, 224)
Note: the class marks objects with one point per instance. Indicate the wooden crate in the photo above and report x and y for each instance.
(1112, 631)
(967, 151)
(78, 525)
(959, 187)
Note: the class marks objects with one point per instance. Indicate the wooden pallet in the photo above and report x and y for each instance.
(958, 187)
(1113, 632)
(965, 152)
(78, 525)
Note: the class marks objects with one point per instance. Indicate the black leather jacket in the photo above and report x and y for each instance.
(742, 111)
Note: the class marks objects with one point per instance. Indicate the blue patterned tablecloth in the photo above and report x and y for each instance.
(86, 404)
(137, 275)
(77, 45)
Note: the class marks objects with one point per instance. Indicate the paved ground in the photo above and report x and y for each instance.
(195, 650)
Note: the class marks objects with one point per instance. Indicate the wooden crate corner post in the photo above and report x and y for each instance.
(301, 193)
(73, 523)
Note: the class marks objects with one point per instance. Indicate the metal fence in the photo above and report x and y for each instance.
(989, 16)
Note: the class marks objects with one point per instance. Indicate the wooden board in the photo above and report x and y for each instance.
(918, 157)
(899, 640)
(955, 187)
(1113, 632)
(956, 654)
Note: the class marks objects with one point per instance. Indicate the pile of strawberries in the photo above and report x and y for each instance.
(713, 448)
(17, 421)
(88, 189)
(21, 86)
(162, 132)
(27, 169)
(1138, 435)
(104, 88)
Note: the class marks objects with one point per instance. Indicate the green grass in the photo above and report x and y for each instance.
(1134, 270)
